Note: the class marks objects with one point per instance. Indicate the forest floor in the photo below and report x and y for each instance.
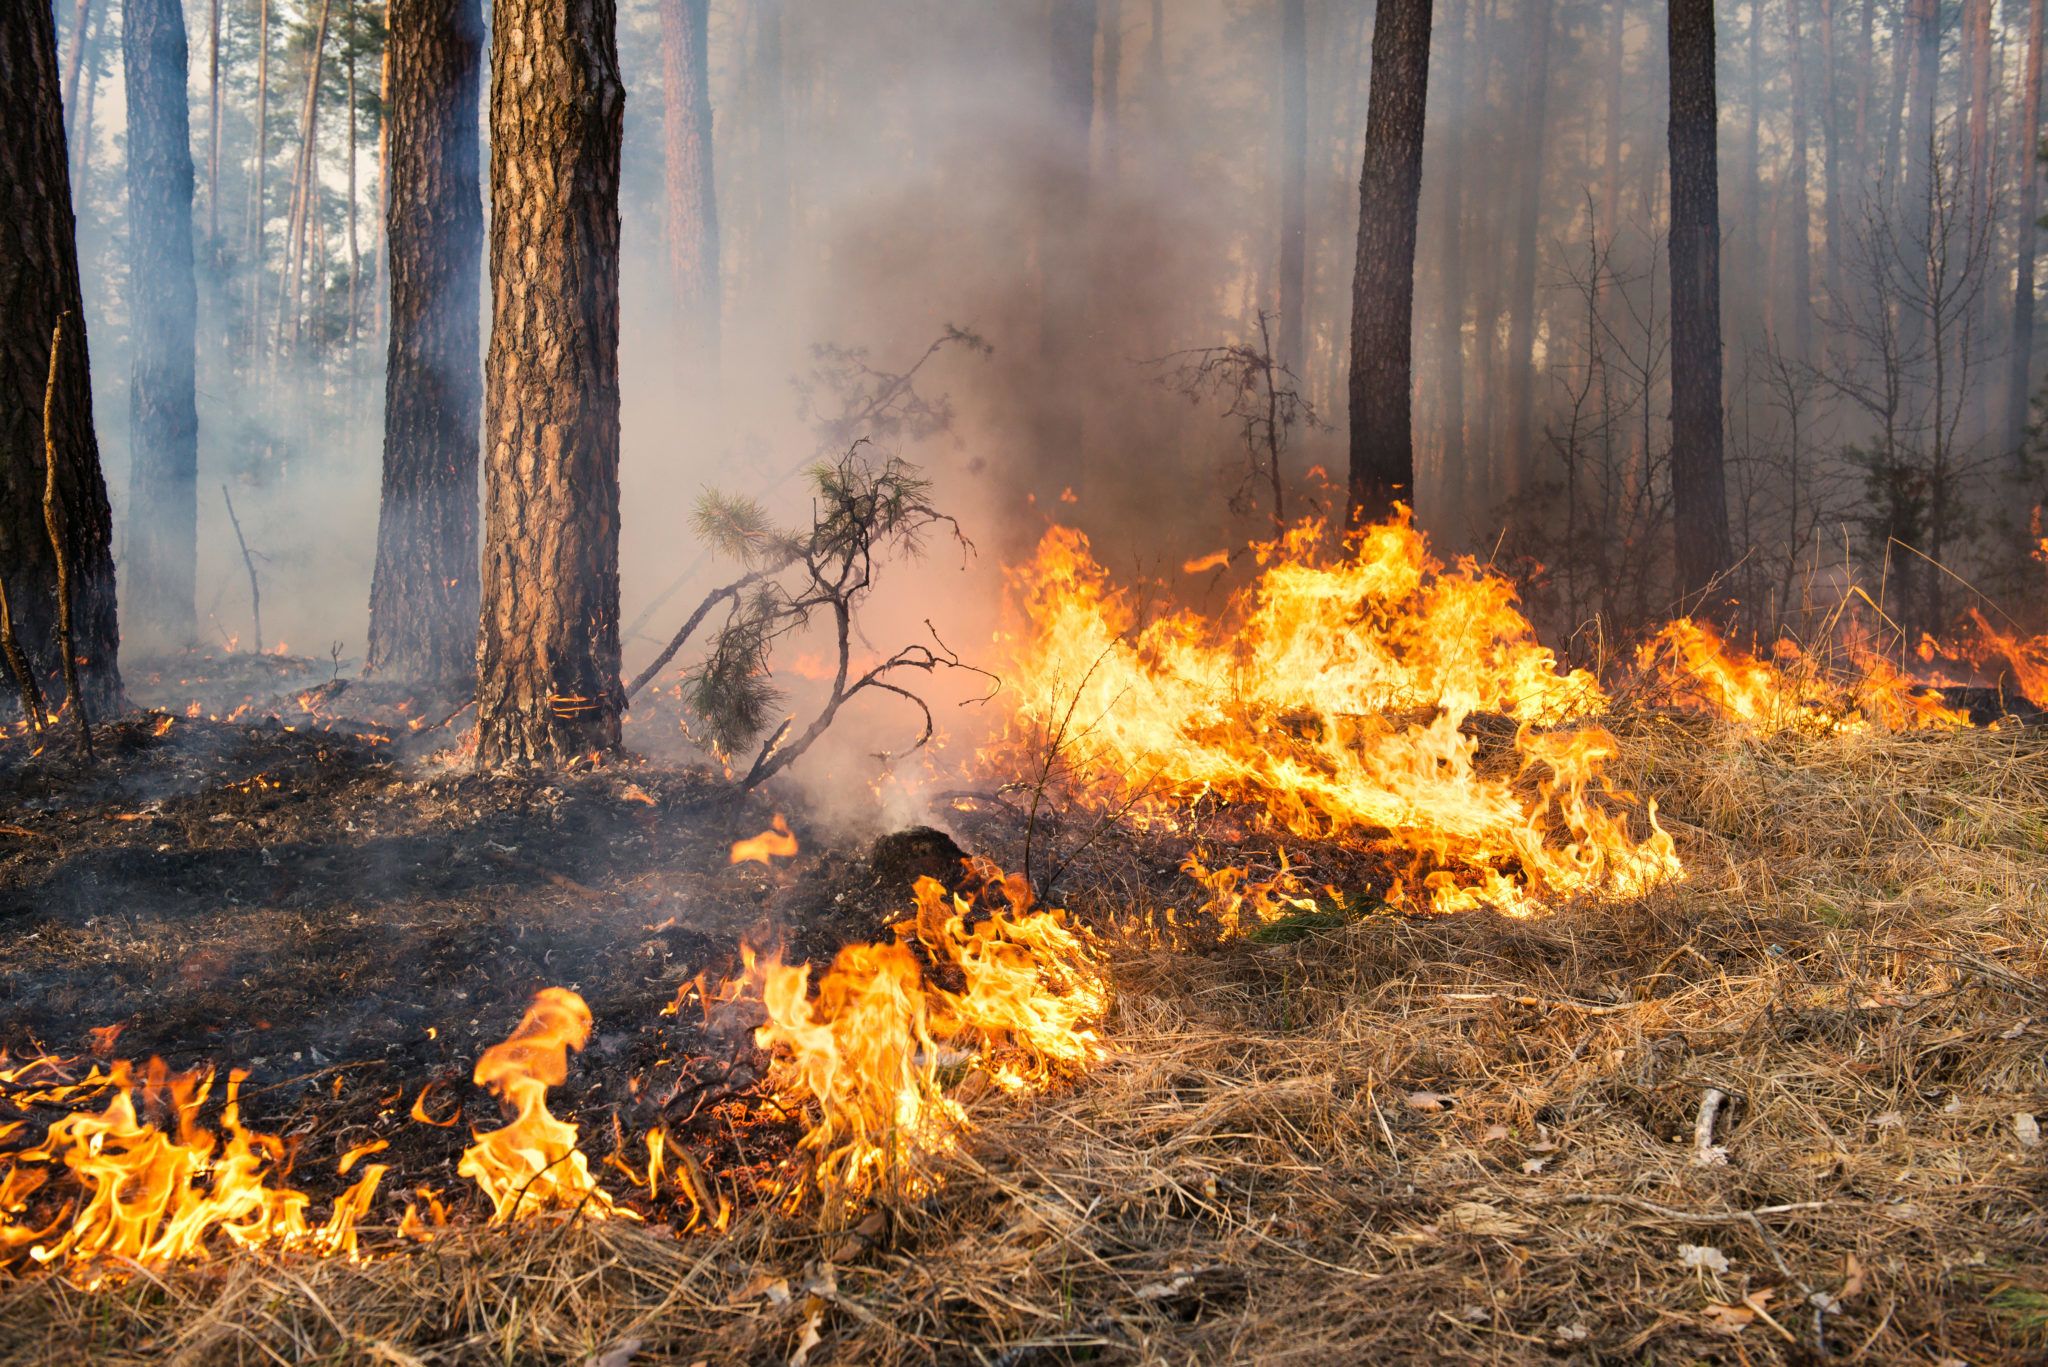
(1363, 1137)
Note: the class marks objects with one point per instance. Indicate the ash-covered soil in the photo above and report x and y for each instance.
(321, 898)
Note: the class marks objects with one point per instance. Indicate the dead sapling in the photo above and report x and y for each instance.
(249, 559)
(53, 523)
(1262, 394)
(864, 511)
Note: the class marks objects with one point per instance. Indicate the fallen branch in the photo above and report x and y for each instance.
(1705, 1152)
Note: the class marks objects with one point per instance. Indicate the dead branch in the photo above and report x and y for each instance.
(249, 563)
(728, 594)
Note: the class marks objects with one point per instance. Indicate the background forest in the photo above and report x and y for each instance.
(882, 172)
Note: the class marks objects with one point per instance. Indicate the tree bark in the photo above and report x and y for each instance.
(1293, 180)
(163, 413)
(548, 688)
(2020, 376)
(423, 595)
(1533, 109)
(1383, 285)
(691, 192)
(38, 286)
(1699, 501)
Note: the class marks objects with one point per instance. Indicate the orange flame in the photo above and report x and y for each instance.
(775, 842)
(532, 1164)
(1707, 674)
(1331, 698)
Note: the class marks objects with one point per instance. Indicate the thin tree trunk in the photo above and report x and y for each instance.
(1293, 179)
(1611, 114)
(259, 207)
(1383, 288)
(1831, 150)
(355, 254)
(39, 286)
(163, 415)
(81, 125)
(423, 597)
(1757, 304)
(80, 17)
(213, 126)
(1800, 232)
(2020, 376)
(305, 188)
(693, 247)
(1450, 331)
(1699, 501)
(1917, 215)
(548, 688)
(1533, 109)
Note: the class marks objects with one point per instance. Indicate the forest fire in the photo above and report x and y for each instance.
(1331, 698)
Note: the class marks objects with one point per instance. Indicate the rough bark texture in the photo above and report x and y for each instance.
(163, 413)
(1383, 286)
(1699, 501)
(548, 659)
(39, 284)
(423, 597)
(691, 193)
(2019, 381)
(1293, 179)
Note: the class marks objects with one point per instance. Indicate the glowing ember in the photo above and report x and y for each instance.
(1331, 697)
(532, 1164)
(775, 842)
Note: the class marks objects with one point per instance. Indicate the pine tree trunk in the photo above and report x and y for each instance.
(1611, 117)
(1699, 501)
(691, 193)
(423, 596)
(1831, 152)
(1916, 216)
(163, 414)
(259, 205)
(1533, 108)
(1450, 331)
(81, 16)
(1753, 307)
(1800, 232)
(38, 286)
(213, 127)
(2020, 376)
(1383, 287)
(548, 688)
(1293, 179)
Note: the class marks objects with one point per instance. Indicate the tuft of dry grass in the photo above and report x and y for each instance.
(1468, 1138)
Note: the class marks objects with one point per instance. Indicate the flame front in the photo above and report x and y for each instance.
(1331, 697)
(1793, 692)
(532, 1164)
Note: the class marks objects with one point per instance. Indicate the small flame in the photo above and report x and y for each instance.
(532, 1164)
(775, 842)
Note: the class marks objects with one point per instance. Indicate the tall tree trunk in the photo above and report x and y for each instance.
(2020, 376)
(1916, 213)
(81, 16)
(1756, 304)
(259, 205)
(1293, 179)
(1383, 287)
(1699, 500)
(38, 288)
(1532, 109)
(1450, 331)
(80, 124)
(423, 596)
(213, 126)
(1831, 150)
(163, 414)
(1611, 116)
(1800, 231)
(1905, 25)
(305, 189)
(548, 688)
(691, 193)
(355, 251)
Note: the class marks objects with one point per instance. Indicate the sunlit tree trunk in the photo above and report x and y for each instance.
(2019, 378)
(1383, 286)
(1699, 502)
(1532, 110)
(693, 248)
(163, 414)
(1293, 178)
(548, 689)
(423, 597)
(38, 287)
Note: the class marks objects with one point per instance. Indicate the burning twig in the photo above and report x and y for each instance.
(248, 563)
(54, 524)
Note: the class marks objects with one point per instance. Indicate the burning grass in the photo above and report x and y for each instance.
(1380, 1136)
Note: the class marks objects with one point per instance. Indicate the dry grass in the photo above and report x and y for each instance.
(1397, 1140)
